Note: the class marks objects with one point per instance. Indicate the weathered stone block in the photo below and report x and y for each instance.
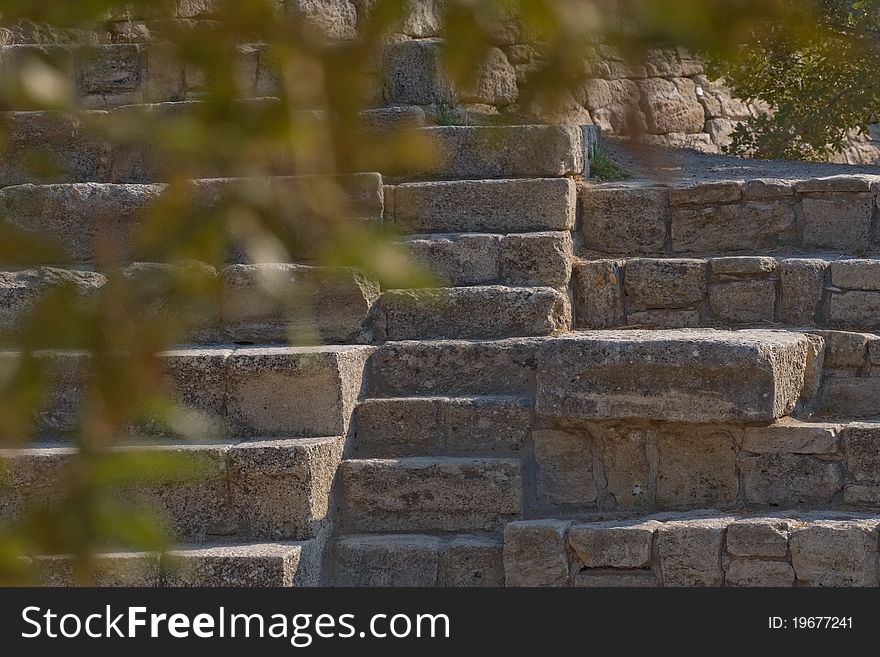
(614, 578)
(469, 561)
(759, 537)
(743, 301)
(613, 544)
(414, 74)
(752, 572)
(690, 551)
(863, 451)
(743, 266)
(394, 560)
(542, 259)
(665, 283)
(835, 553)
(706, 193)
(696, 467)
(472, 312)
(628, 220)
(625, 465)
(443, 494)
(856, 274)
(685, 375)
(565, 468)
(840, 222)
(790, 479)
(401, 427)
(503, 206)
(671, 105)
(330, 19)
(458, 260)
(857, 309)
(304, 391)
(791, 437)
(260, 565)
(802, 282)
(839, 183)
(495, 81)
(850, 397)
(598, 297)
(481, 425)
(732, 228)
(535, 553)
(667, 319)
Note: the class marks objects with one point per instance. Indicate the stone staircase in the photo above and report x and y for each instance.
(643, 383)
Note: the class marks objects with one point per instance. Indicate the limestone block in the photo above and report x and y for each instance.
(443, 494)
(690, 551)
(402, 560)
(862, 454)
(495, 82)
(845, 349)
(802, 281)
(598, 297)
(851, 397)
(625, 465)
(535, 553)
(696, 467)
(856, 309)
(614, 578)
(790, 479)
(835, 553)
(743, 301)
(331, 19)
(542, 259)
(665, 283)
(856, 274)
(565, 468)
(743, 266)
(261, 565)
(706, 193)
(629, 220)
(792, 437)
(613, 544)
(759, 537)
(458, 259)
(667, 319)
(839, 222)
(671, 105)
(753, 572)
(731, 228)
(470, 561)
(672, 375)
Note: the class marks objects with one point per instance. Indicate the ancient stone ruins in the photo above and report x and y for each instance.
(657, 382)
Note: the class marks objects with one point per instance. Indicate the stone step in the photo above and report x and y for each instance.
(454, 367)
(276, 564)
(541, 259)
(480, 312)
(64, 147)
(84, 219)
(701, 548)
(265, 392)
(409, 560)
(262, 303)
(437, 426)
(260, 490)
(792, 215)
(491, 206)
(430, 494)
(687, 375)
(820, 290)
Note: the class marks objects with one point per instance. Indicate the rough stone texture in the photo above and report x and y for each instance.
(830, 553)
(743, 266)
(260, 565)
(414, 74)
(845, 349)
(112, 569)
(281, 391)
(469, 561)
(454, 367)
(665, 283)
(495, 82)
(598, 297)
(790, 437)
(668, 319)
(743, 301)
(840, 222)
(613, 544)
(535, 553)
(706, 193)
(733, 228)
(45, 147)
(790, 479)
(622, 578)
(759, 537)
(542, 259)
(456, 259)
(399, 561)
(565, 468)
(503, 152)
(850, 397)
(504, 206)
(442, 494)
(21, 291)
(856, 274)
(297, 303)
(81, 220)
(743, 376)
(857, 309)
(802, 281)
(862, 454)
(331, 19)
(690, 551)
(625, 464)
(671, 105)
(749, 572)
(696, 467)
(442, 425)
(472, 312)
(628, 220)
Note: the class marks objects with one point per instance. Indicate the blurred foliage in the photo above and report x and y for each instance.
(109, 342)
